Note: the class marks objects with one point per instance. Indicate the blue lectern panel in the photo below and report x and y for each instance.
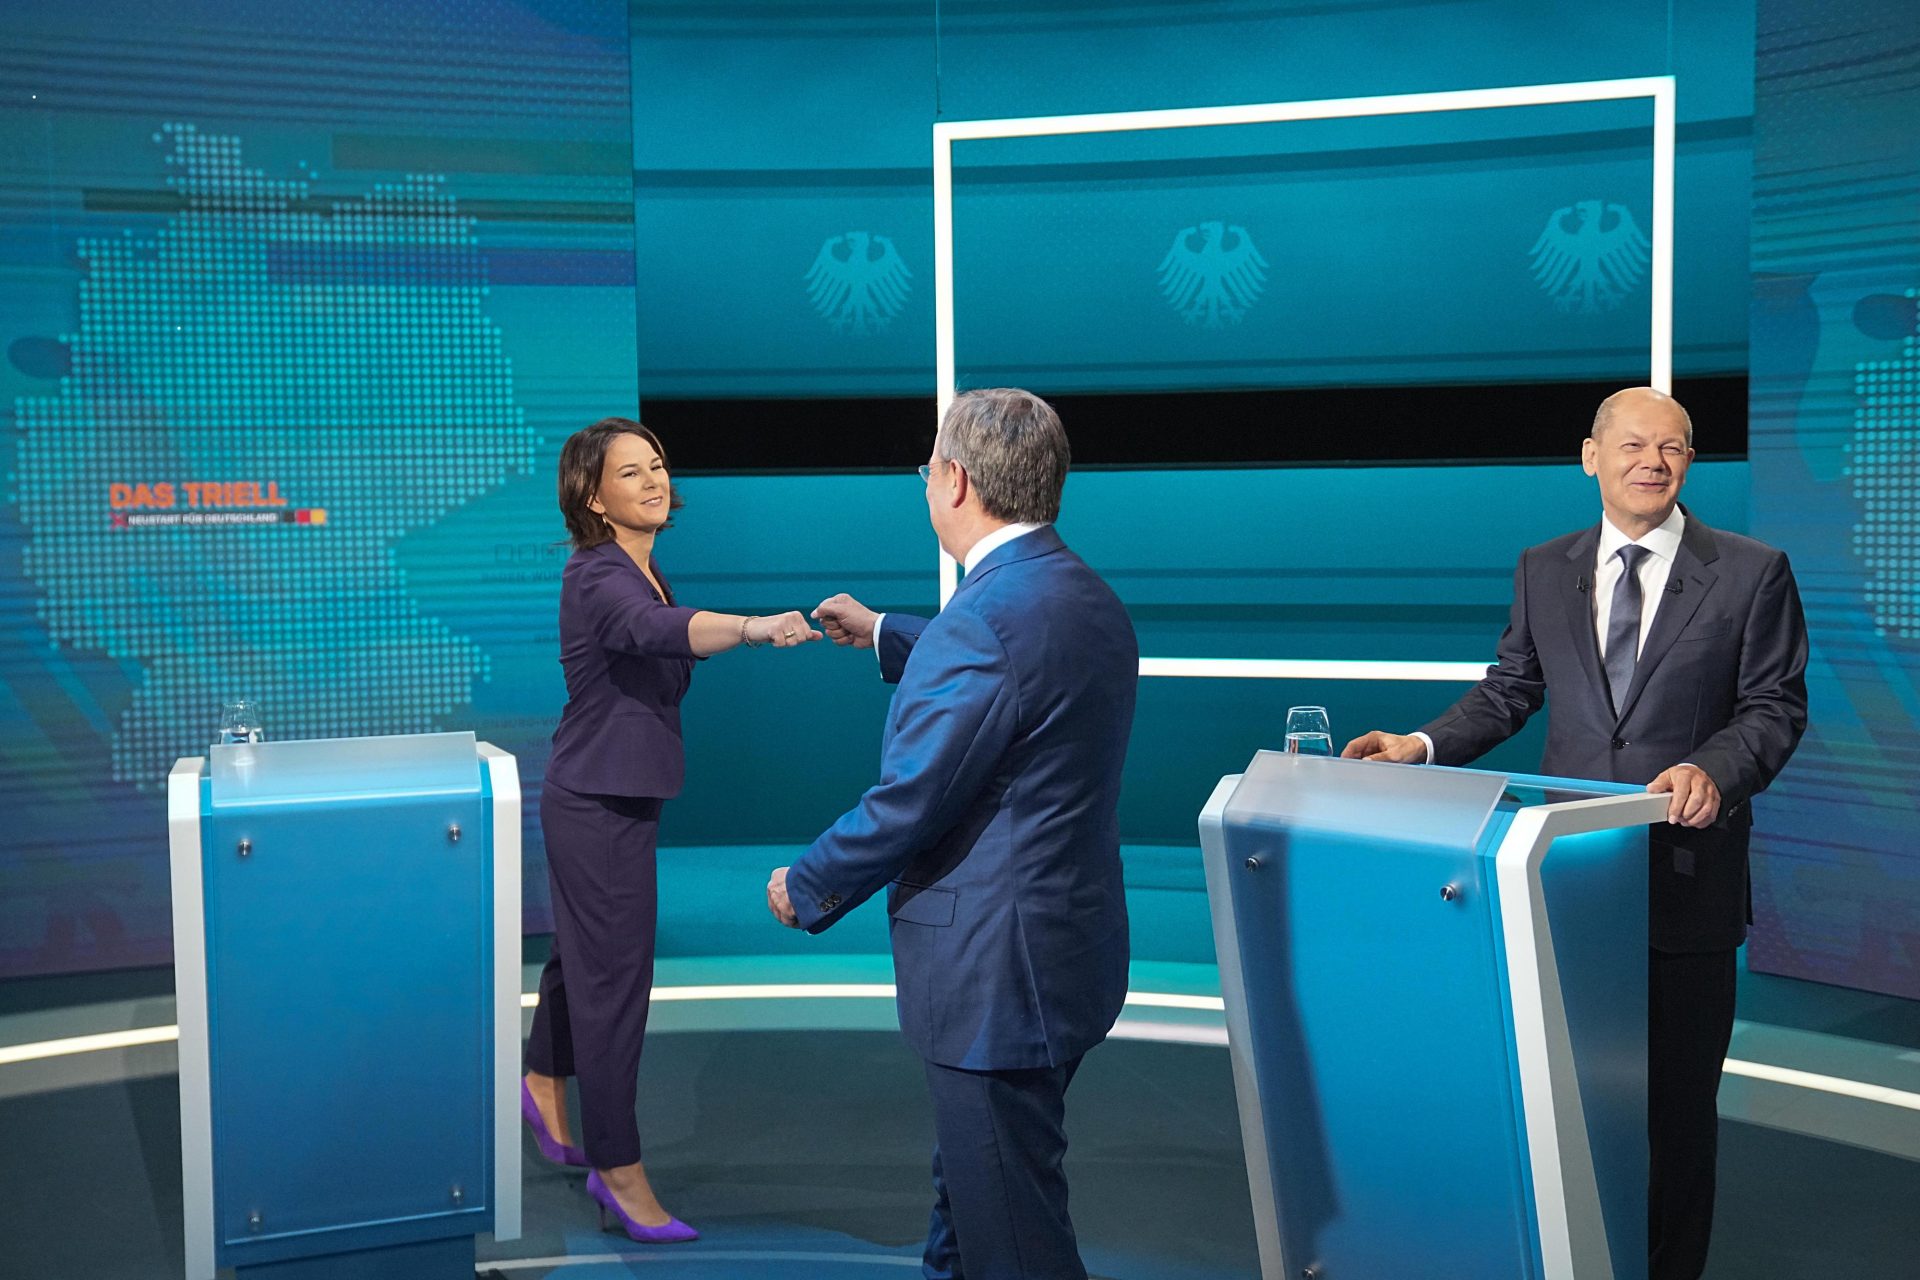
(1379, 1041)
(345, 953)
(1596, 909)
(1595, 887)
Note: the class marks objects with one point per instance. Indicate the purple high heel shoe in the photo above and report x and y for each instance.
(673, 1232)
(550, 1147)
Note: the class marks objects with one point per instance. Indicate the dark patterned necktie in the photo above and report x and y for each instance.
(1623, 625)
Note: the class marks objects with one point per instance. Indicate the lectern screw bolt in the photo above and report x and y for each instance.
(1448, 892)
(246, 849)
(1253, 864)
(253, 1221)
(453, 833)
(459, 1196)
(1310, 1273)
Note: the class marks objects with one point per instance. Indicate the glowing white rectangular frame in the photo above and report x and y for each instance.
(1660, 357)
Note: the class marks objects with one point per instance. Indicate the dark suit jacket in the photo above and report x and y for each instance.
(1721, 683)
(627, 662)
(996, 814)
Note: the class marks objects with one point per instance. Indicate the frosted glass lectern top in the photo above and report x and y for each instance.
(1365, 798)
(340, 768)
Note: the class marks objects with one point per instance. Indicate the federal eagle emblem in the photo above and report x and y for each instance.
(858, 282)
(1589, 255)
(1220, 275)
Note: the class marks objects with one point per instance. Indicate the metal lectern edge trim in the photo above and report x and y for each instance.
(190, 1002)
(1573, 1239)
(504, 784)
(1233, 992)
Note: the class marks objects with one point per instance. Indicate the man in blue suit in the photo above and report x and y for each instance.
(994, 829)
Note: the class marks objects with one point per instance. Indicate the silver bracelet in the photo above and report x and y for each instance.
(745, 639)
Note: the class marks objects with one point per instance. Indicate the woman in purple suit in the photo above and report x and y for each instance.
(627, 651)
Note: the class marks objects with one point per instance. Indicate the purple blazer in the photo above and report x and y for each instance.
(627, 662)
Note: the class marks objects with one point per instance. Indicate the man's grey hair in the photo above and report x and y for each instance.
(1603, 416)
(1014, 449)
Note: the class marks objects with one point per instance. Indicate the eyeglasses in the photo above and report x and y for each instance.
(926, 473)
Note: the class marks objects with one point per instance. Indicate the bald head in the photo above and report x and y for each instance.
(1644, 400)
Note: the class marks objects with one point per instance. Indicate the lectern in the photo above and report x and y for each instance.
(1435, 986)
(346, 925)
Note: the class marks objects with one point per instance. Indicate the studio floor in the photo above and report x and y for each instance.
(793, 1132)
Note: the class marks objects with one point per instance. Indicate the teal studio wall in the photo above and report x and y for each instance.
(766, 133)
(373, 257)
(1397, 249)
(389, 256)
(1836, 425)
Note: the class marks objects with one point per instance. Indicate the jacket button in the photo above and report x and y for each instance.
(1619, 744)
(829, 902)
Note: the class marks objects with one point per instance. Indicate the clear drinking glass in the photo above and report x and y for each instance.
(239, 722)
(1309, 733)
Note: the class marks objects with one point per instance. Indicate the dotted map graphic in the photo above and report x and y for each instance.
(1886, 480)
(263, 398)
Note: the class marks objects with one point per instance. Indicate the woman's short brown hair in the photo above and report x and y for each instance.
(582, 460)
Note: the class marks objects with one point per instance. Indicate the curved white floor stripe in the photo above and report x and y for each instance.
(1164, 1033)
(1127, 1029)
(87, 1044)
(1825, 1084)
(1162, 1000)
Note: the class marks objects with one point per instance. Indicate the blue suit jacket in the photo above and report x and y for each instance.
(1721, 683)
(627, 661)
(996, 814)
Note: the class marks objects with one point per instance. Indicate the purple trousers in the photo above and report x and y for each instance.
(592, 1018)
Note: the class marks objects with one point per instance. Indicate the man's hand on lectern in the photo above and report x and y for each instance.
(1696, 800)
(846, 621)
(1394, 748)
(777, 899)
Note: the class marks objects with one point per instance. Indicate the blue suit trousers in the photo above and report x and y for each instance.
(1000, 1193)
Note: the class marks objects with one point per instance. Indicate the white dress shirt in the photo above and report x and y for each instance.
(979, 551)
(1663, 543)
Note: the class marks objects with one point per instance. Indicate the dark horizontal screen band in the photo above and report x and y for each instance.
(1485, 423)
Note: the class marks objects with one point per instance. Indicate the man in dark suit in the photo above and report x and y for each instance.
(995, 830)
(1672, 654)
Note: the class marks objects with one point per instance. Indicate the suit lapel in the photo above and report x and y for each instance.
(1693, 575)
(1577, 605)
(612, 551)
(666, 588)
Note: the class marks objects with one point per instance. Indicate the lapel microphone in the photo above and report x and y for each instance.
(1673, 585)
(1580, 584)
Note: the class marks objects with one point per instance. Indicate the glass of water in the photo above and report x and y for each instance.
(1309, 733)
(239, 722)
